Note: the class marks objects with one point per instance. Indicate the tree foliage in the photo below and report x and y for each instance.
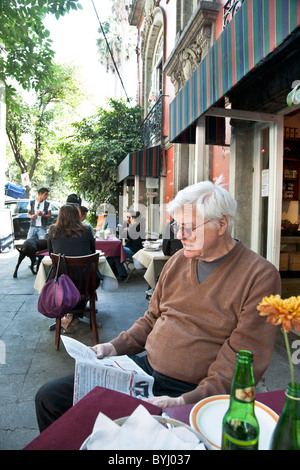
(33, 128)
(25, 44)
(117, 41)
(98, 146)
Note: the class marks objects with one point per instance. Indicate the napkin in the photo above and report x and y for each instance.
(140, 431)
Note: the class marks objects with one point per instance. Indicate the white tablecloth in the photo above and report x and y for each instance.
(109, 282)
(154, 261)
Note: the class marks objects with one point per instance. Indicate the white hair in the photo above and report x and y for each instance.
(213, 199)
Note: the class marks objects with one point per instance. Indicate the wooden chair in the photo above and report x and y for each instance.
(83, 272)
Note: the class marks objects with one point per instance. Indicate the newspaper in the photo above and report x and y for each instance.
(116, 372)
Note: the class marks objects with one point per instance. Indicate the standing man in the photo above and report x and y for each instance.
(39, 211)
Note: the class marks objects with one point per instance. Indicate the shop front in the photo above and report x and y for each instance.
(143, 187)
(243, 82)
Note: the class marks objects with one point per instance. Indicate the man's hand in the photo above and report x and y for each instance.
(165, 401)
(104, 350)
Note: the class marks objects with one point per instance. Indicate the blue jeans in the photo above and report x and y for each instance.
(37, 232)
(115, 261)
(128, 252)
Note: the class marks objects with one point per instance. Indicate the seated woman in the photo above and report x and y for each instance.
(69, 236)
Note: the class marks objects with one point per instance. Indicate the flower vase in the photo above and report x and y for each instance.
(286, 435)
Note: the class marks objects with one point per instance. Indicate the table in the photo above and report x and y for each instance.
(154, 261)
(109, 282)
(71, 429)
(111, 247)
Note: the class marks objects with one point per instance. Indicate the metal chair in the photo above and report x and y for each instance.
(83, 272)
(129, 270)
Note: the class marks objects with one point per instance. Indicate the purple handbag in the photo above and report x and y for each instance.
(58, 296)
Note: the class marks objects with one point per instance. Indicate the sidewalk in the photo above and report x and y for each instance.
(30, 358)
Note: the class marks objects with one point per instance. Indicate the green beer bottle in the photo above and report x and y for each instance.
(286, 435)
(240, 428)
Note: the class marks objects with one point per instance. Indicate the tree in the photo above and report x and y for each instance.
(98, 146)
(116, 43)
(25, 44)
(38, 123)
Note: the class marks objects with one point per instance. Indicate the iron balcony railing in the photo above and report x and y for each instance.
(152, 124)
(229, 10)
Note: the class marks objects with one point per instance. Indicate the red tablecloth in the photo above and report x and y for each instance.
(71, 430)
(111, 248)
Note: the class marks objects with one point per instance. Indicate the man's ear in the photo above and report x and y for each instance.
(223, 224)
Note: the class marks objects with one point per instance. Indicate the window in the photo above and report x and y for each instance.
(156, 76)
(22, 207)
(10, 206)
(54, 207)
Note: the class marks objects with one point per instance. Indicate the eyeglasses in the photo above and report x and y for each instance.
(186, 232)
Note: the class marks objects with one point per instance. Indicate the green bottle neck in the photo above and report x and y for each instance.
(292, 401)
(293, 391)
(243, 385)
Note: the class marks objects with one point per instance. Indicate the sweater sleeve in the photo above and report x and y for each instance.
(134, 339)
(252, 333)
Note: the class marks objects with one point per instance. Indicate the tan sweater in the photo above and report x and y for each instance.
(193, 331)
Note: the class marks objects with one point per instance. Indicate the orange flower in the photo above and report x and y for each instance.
(285, 312)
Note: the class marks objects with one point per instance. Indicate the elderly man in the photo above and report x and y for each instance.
(203, 309)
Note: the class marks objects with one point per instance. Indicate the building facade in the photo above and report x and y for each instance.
(218, 73)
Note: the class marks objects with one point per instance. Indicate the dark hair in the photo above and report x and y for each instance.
(74, 199)
(43, 190)
(84, 210)
(136, 214)
(68, 223)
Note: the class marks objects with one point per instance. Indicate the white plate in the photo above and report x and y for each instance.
(207, 415)
(152, 249)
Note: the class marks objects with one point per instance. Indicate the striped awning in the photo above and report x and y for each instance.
(144, 162)
(256, 30)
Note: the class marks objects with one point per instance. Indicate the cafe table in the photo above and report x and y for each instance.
(153, 261)
(111, 247)
(70, 430)
(109, 282)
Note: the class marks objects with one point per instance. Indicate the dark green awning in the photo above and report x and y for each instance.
(144, 162)
(256, 30)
